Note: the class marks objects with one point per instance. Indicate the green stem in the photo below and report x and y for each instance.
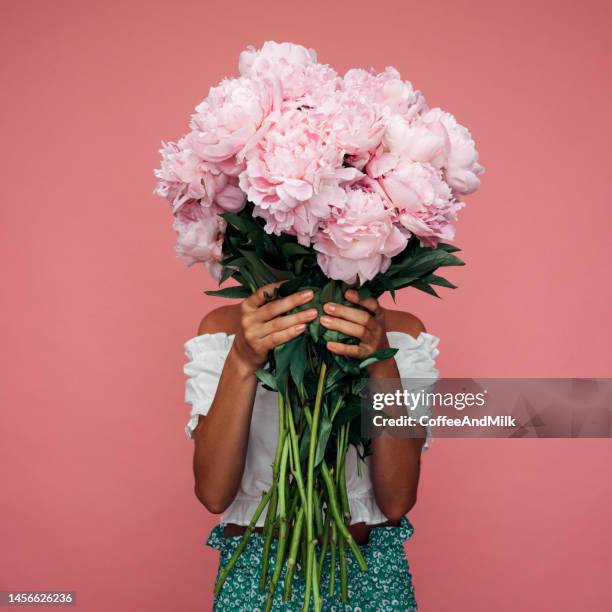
(247, 533)
(268, 532)
(341, 482)
(324, 544)
(342, 528)
(315, 581)
(336, 408)
(282, 536)
(332, 562)
(293, 550)
(310, 569)
(295, 453)
(343, 572)
(318, 513)
(270, 521)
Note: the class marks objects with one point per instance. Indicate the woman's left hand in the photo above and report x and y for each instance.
(368, 326)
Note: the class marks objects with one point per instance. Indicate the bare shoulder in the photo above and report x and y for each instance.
(398, 320)
(224, 319)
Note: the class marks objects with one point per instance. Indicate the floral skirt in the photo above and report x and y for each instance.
(386, 586)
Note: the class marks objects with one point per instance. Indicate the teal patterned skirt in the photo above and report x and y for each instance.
(386, 586)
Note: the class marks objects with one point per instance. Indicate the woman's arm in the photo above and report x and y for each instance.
(396, 461)
(221, 437)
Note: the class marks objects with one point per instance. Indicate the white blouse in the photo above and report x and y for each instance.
(415, 359)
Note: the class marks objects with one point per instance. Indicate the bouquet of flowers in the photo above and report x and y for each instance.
(293, 173)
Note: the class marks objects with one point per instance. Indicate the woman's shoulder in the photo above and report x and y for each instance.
(224, 319)
(404, 322)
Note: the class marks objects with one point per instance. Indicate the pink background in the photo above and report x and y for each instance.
(96, 474)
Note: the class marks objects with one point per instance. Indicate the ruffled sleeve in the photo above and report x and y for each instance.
(206, 355)
(416, 363)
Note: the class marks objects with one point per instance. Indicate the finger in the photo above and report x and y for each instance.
(281, 337)
(346, 312)
(369, 303)
(260, 297)
(283, 322)
(346, 327)
(348, 350)
(277, 307)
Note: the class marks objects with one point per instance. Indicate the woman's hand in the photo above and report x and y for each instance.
(263, 324)
(368, 326)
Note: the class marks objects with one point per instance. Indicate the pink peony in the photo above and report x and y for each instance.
(352, 165)
(284, 172)
(359, 240)
(277, 58)
(424, 202)
(184, 176)
(293, 67)
(229, 117)
(354, 124)
(180, 175)
(386, 90)
(199, 235)
(436, 137)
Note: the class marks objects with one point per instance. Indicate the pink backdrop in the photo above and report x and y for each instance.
(96, 474)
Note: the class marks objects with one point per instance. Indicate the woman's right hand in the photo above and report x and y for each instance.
(263, 324)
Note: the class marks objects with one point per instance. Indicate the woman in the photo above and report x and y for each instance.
(234, 426)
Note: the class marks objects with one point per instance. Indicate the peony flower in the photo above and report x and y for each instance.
(386, 90)
(180, 175)
(199, 235)
(359, 240)
(354, 123)
(352, 165)
(436, 138)
(184, 176)
(229, 117)
(273, 57)
(287, 168)
(423, 200)
(293, 67)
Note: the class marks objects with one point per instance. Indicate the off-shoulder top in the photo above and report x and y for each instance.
(206, 353)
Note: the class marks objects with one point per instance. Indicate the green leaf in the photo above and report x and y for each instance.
(426, 262)
(292, 248)
(267, 379)
(325, 427)
(433, 279)
(347, 364)
(329, 292)
(350, 409)
(261, 273)
(365, 293)
(299, 360)
(449, 248)
(237, 291)
(404, 281)
(378, 356)
(241, 223)
(284, 355)
(226, 274)
(423, 286)
(431, 260)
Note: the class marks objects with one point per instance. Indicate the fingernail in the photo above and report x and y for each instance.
(300, 328)
(331, 307)
(311, 314)
(325, 320)
(306, 295)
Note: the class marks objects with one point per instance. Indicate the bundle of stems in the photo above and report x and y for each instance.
(306, 504)
(319, 404)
